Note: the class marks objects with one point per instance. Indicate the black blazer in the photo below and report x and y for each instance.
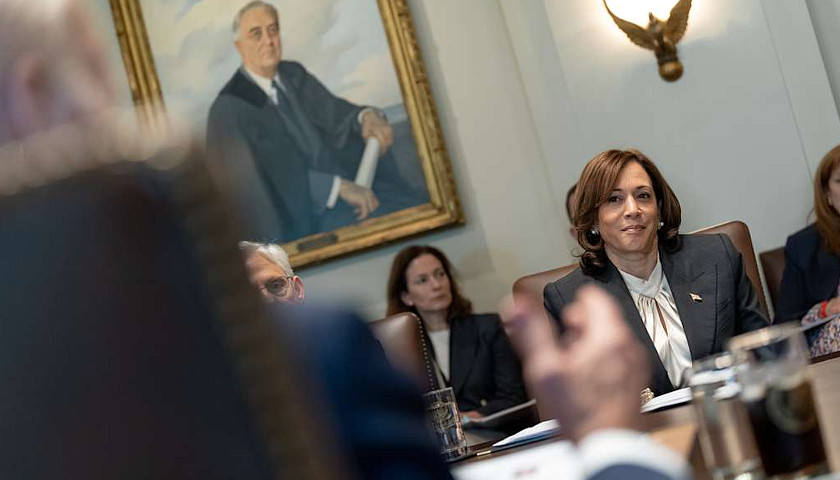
(706, 265)
(483, 370)
(811, 274)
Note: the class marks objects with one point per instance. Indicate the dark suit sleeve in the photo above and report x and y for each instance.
(334, 116)
(793, 294)
(749, 314)
(629, 472)
(378, 412)
(507, 374)
(233, 163)
(554, 303)
(320, 185)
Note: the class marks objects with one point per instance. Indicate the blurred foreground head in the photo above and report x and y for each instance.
(53, 67)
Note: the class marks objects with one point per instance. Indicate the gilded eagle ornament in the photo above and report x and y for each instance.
(660, 36)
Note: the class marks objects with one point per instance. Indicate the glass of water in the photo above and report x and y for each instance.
(723, 428)
(772, 371)
(445, 422)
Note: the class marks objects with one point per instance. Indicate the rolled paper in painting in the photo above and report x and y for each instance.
(367, 167)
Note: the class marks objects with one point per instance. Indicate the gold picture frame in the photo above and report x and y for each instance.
(443, 207)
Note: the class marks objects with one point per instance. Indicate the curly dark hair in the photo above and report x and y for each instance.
(595, 186)
(397, 284)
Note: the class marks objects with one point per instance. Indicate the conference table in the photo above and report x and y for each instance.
(676, 427)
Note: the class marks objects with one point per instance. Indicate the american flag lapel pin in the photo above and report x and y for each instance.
(696, 298)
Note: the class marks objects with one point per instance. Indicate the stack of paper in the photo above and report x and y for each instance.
(539, 431)
(676, 397)
(553, 461)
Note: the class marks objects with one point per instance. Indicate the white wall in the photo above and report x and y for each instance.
(825, 15)
(734, 137)
(528, 90)
(513, 225)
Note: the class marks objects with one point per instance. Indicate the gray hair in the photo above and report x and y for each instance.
(23, 23)
(271, 251)
(250, 6)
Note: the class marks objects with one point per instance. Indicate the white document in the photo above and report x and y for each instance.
(676, 397)
(556, 460)
(541, 430)
(495, 419)
(367, 167)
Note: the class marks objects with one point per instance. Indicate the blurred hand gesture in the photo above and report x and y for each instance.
(590, 378)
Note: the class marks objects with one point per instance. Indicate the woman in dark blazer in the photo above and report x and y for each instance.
(811, 279)
(683, 296)
(471, 350)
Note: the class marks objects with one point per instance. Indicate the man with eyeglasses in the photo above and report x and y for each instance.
(270, 271)
(380, 426)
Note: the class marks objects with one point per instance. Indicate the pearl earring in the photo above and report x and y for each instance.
(661, 224)
(595, 231)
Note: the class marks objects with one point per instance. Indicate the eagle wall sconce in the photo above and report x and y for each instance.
(660, 36)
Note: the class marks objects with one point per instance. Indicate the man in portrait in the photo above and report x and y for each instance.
(290, 148)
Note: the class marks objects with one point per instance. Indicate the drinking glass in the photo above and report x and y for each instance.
(725, 438)
(445, 422)
(771, 366)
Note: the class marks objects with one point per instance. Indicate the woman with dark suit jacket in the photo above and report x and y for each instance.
(683, 296)
(470, 350)
(811, 281)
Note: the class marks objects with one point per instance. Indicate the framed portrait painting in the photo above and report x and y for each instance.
(318, 113)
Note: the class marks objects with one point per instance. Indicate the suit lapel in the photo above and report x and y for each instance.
(695, 294)
(244, 88)
(612, 281)
(463, 343)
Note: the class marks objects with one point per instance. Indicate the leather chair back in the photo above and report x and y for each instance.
(532, 286)
(401, 336)
(773, 265)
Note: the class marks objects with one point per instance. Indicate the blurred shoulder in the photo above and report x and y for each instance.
(328, 324)
(568, 284)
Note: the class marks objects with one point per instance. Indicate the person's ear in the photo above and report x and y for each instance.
(299, 292)
(27, 95)
(406, 299)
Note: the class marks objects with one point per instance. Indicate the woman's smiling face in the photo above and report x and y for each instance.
(628, 219)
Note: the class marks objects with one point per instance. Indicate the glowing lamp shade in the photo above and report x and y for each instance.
(636, 11)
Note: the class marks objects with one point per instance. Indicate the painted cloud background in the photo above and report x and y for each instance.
(342, 42)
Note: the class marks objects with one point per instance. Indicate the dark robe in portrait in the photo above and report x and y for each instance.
(280, 160)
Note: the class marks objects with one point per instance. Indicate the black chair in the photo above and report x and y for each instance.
(773, 265)
(401, 336)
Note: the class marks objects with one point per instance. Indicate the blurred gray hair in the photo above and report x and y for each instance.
(271, 251)
(250, 6)
(33, 25)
